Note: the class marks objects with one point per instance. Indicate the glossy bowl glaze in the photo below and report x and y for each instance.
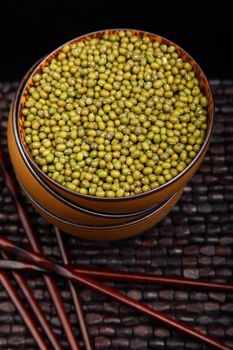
(107, 205)
(53, 202)
(109, 232)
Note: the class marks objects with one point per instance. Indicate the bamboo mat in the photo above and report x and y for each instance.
(195, 240)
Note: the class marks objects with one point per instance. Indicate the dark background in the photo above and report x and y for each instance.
(29, 30)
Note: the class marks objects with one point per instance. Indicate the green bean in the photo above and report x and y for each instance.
(114, 116)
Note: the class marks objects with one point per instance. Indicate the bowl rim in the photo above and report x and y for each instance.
(36, 68)
(108, 227)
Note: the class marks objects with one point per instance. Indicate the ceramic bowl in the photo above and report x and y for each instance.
(88, 216)
(106, 205)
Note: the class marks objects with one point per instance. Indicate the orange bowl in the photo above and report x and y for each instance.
(123, 205)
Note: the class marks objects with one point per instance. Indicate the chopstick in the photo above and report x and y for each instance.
(10, 289)
(75, 296)
(19, 265)
(66, 272)
(126, 276)
(137, 277)
(12, 186)
(23, 285)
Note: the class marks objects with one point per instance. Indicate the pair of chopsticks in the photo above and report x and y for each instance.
(35, 261)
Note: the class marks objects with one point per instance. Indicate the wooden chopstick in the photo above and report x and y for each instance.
(126, 276)
(137, 277)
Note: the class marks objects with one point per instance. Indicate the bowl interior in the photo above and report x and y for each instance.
(18, 118)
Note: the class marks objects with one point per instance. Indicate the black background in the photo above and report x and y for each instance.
(29, 30)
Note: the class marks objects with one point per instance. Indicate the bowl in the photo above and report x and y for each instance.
(122, 205)
(113, 232)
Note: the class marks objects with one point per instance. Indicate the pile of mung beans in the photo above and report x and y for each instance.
(115, 116)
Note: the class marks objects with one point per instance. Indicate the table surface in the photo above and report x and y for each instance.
(195, 240)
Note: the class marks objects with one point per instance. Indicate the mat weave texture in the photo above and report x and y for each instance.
(195, 240)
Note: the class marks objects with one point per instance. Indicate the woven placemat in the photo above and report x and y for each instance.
(195, 240)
